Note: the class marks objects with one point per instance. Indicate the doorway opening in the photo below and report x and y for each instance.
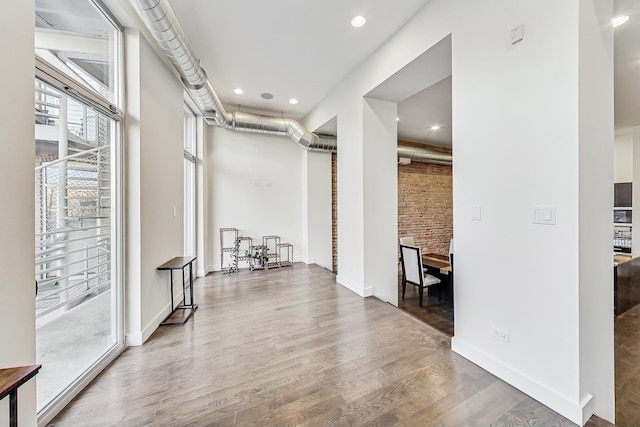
(422, 92)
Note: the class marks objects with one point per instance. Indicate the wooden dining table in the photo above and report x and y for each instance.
(439, 266)
(436, 261)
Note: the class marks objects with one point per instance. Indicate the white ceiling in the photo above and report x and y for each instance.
(290, 48)
(424, 110)
(304, 49)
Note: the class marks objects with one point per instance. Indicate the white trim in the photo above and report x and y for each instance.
(354, 287)
(575, 411)
(51, 75)
(310, 261)
(133, 340)
(141, 337)
(202, 273)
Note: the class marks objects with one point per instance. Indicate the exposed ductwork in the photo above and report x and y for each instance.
(160, 20)
(425, 155)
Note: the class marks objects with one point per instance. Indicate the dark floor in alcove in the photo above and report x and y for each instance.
(627, 366)
(434, 311)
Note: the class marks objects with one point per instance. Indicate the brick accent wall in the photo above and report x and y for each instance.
(425, 205)
(334, 210)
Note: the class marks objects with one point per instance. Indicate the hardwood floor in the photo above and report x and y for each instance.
(290, 347)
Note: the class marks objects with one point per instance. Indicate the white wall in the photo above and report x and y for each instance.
(350, 192)
(380, 135)
(623, 157)
(316, 208)
(522, 278)
(203, 241)
(596, 198)
(17, 317)
(256, 186)
(154, 148)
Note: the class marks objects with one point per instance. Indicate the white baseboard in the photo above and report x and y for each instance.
(575, 411)
(202, 273)
(133, 339)
(310, 261)
(354, 287)
(139, 338)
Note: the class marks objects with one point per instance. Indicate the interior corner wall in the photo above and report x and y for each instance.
(596, 141)
(505, 163)
(17, 317)
(256, 186)
(623, 157)
(316, 207)
(350, 195)
(380, 134)
(154, 166)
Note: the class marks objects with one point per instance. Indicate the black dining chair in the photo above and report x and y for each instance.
(412, 270)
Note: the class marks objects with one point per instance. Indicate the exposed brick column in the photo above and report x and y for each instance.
(334, 210)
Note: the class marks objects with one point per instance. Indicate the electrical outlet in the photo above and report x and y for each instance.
(501, 335)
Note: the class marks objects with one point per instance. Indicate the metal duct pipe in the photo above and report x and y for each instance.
(160, 20)
(165, 28)
(425, 155)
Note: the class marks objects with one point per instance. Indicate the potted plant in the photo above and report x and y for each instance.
(258, 255)
(233, 267)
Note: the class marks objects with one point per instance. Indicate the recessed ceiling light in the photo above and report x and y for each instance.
(436, 127)
(619, 20)
(358, 21)
(293, 101)
(397, 119)
(238, 91)
(266, 95)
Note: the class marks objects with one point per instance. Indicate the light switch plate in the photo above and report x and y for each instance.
(476, 212)
(545, 215)
(517, 34)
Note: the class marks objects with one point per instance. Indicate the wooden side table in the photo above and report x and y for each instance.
(180, 263)
(10, 380)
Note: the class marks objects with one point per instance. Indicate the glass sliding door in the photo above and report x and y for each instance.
(78, 277)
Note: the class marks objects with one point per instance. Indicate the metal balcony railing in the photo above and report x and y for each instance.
(73, 235)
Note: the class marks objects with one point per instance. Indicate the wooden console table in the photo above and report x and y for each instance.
(180, 263)
(10, 380)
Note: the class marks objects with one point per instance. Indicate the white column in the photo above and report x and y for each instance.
(595, 192)
(17, 220)
(203, 236)
(316, 209)
(350, 198)
(380, 199)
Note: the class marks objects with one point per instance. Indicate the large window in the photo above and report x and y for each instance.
(81, 40)
(79, 321)
(189, 182)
